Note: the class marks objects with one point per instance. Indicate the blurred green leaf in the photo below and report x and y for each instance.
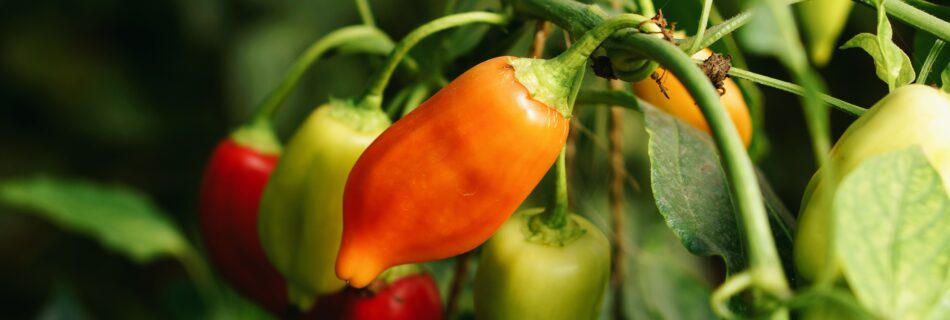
(121, 219)
(232, 306)
(761, 34)
(670, 290)
(63, 305)
(892, 220)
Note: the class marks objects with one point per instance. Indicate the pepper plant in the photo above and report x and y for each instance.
(473, 184)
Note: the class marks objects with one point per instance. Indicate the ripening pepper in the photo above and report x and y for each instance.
(301, 210)
(442, 179)
(529, 270)
(230, 194)
(911, 115)
(822, 22)
(681, 105)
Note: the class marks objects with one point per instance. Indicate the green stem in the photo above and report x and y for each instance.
(792, 55)
(765, 265)
(914, 17)
(929, 62)
(935, 9)
(734, 285)
(646, 7)
(199, 272)
(759, 145)
(720, 30)
(576, 56)
(366, 14)
(554, 81)
(764, 261)
(332, 40)
(703, 20)
(415, 98)
(841, 105)
(556, 214)
(373, 96)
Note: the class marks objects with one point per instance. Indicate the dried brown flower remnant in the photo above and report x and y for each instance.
(716, 68)
(661, 22)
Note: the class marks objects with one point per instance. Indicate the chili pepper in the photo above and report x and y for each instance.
(681, 105)
(238, 172)
(529, 270)
(442, 179)
(822, 22)
(910, 115)
(230, 193)
(402, 292)
(301, 212)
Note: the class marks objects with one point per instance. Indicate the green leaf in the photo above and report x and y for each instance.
(892, 65)
(63, 305)
(670, 290)
(892, 220)
(761, 34)
(692, 193)
(120, 218)
(690, 189)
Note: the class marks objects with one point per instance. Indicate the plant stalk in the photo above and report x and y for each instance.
(373, 96)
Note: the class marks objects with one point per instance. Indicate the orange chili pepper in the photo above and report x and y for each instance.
(473, 152)
(681, 105)
(441, 180)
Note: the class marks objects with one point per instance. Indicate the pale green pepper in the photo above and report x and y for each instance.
(822, 22)
(301, 214)
(911, 115)
(529, 270)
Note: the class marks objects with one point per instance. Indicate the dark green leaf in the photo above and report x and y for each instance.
(690, 189)
(120, 218)
(892, 220)
(692, 193)
(63, 305)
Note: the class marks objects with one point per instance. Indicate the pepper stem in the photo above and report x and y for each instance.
(554, 226)
(332, 40)
(556, 214)
(575, 56)
(551, 81)
(373, 96)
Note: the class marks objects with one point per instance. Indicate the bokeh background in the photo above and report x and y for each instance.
(137, 93)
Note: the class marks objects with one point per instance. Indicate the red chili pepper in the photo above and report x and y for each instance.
(239, 169)
(397, 296)
(230, 193)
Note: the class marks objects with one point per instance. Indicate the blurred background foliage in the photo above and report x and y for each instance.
(131, 97)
